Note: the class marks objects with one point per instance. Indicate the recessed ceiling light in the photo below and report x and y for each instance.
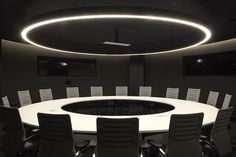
(25, 32)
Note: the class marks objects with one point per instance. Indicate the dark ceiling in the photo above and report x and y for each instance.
(218, 15)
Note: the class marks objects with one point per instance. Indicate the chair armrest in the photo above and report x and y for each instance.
(143, 144)
(203, 137)
(158, 145)
(35, 130)
(83, 146)
(31, 143)
(154, 143)
(207, 142)
(32, 137)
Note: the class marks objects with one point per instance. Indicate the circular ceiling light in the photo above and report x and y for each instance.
(27, 30)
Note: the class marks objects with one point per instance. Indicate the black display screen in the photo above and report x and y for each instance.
(50, 66)
(220, 64)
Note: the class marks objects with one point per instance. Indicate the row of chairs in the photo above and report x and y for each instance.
(192, 94)
(116, 137)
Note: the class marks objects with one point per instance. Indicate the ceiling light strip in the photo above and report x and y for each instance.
(205, 30)
(116, 43)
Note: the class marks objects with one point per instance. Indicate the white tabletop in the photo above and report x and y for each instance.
(147, 123)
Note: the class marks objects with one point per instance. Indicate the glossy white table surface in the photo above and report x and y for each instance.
(147, 123)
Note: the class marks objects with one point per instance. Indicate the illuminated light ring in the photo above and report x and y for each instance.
(202, 28)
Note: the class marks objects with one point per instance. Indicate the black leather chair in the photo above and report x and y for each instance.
(117, 137)
(56, 136)
(183, 136)
(219, 139)
(15, 142)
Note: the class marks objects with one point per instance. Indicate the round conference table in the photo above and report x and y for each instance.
(150, 123)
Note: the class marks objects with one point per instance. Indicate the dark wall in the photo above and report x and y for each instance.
(1, 75)
(20, 73)
(19, 64)
(136, 74)
(166, 71)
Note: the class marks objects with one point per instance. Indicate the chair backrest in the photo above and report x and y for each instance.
(117, 137)
(219, 134)
(14, 136)
(24, 97)
(193, 94)
(56, 136)
(145, 91)
(45, 94)
(184, 134)
(227, 100)
(172, 93)
(121, 90)
(72, 92)
(96, 90)
(5, 101)
(212, 98)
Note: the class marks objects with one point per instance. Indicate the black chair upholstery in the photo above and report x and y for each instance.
(1, 129)
(117, 137)
(56, 136)
(183, 136)
(219, 135)
(14, 140)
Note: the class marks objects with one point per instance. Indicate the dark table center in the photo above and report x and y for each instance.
(117, 107)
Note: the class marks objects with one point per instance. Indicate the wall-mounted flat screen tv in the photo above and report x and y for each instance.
(51, 66)
(218, 64)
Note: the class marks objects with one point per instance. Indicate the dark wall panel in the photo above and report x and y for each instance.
(1, 74)
(20, 73)
(167, 71)
(136, 74)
